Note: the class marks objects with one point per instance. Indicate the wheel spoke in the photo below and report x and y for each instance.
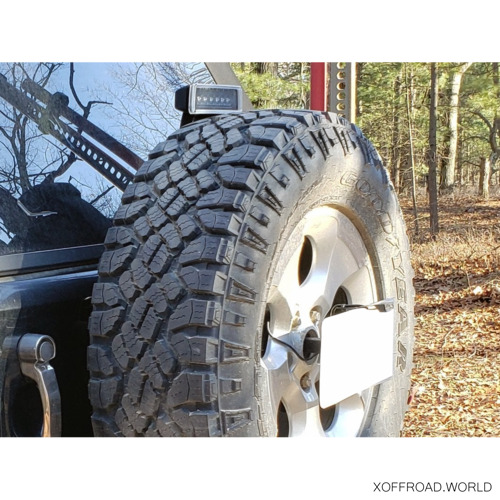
(307, 423)
(349, 414)
(360, 286)
(324, 254)
(291, 382)
(309, 277)
(340, 255)
(283, 307)
(318, 288)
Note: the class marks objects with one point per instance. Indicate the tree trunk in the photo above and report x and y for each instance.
(267, 67)
(459, 166)
(484, 178)
(396, 135)
(409, 107)
(456, 82)
(496, 78)
(432, 153)
(303, 89)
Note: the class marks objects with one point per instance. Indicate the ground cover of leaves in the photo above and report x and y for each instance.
(456, 375)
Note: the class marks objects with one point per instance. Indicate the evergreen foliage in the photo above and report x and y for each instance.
(275, 85)
(389, 97)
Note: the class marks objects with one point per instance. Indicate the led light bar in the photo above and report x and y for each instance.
(209, 99)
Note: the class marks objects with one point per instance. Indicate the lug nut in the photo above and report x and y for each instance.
(305, 382)
(296, 321)
(315, 316)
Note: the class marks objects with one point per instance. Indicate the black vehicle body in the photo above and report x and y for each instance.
(48, 293)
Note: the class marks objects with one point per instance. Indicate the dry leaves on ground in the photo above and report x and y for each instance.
(456, 375)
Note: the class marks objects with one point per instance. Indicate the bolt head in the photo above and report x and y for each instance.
(305, 382)
(296, 321)
(315, 317)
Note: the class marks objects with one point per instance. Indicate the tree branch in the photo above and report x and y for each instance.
(485, 120)
(85, 108)
(63, 168)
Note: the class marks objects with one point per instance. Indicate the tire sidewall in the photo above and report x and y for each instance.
(361, 191)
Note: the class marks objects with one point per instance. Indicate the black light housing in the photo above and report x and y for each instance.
(209, 99)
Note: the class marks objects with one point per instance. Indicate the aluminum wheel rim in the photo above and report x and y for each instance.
(323, 261)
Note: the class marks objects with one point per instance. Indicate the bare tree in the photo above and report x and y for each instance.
(143, 101)
(487, 165)
(456, 82)
(411, 155)
(396, 135)
(484, 178)
(432, 152)
(23, 163)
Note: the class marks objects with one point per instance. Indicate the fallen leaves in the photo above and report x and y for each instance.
(456, 375)
(462, 399)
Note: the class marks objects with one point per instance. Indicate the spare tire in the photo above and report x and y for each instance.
(238, 231)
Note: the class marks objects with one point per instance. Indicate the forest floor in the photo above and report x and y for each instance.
(456, 375)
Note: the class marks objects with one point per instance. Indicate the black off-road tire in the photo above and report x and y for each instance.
(179, 325)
